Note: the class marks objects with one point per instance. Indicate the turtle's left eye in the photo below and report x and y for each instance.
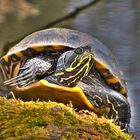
(79, 50)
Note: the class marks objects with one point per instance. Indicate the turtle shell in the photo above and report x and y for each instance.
(57, 39)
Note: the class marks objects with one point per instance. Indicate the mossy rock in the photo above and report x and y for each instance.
(50, 120)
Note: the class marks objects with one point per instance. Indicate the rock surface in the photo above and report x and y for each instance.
(51, 120)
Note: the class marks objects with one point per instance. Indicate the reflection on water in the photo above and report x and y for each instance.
(21, 8)
(115, 23)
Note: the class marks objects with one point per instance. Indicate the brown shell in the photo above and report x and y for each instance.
(56, 39)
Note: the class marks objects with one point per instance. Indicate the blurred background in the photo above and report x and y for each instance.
(116, 23)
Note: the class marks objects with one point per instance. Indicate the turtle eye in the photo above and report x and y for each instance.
(79, 50)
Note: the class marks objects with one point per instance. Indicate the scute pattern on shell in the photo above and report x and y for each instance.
(58, 36)
(73, 39)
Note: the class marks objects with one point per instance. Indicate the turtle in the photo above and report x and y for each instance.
(66, 65)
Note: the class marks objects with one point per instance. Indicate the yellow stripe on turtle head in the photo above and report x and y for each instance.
(74, 68)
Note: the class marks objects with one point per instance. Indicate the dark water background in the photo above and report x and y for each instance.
(116, 23)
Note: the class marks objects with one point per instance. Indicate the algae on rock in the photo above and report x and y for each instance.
(51, 120)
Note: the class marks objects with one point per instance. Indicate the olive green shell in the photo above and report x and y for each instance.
(57, 39)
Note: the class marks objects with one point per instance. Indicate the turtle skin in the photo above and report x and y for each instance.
(104, 100)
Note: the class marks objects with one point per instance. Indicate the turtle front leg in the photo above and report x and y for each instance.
(32, 69)
(109, 103)
(119, 108)
(122, 107)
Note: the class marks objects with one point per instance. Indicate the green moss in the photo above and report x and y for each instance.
(51, 120)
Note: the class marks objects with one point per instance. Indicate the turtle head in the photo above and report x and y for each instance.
(73, 66)
(78, 58)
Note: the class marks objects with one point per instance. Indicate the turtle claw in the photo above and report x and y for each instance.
(27, 84)
(29, 76)
(33, 68)
(22, 79)
(13, 80)
(26, 80)
(25, 67)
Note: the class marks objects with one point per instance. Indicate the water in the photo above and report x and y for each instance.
(116, 23)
